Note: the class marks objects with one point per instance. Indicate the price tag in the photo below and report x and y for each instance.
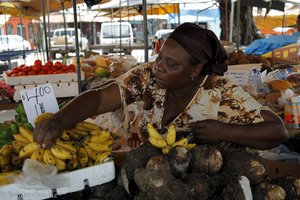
(239, 77)
(39, 100)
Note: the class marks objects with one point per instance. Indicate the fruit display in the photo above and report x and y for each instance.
(81, 146)
(41, 69)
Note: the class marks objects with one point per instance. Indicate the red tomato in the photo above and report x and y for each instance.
(58, 64)
(38, 63)
(64, 67)
(36, 68)
(58, 72)
(45, 67)
(14, 74)
(50, 71)
(22, 73)
(32, 73)
(49, 63)
(42, 72)
(16, 70)
(21, 66)
(71, 66)
(9, 73)
(26, 69)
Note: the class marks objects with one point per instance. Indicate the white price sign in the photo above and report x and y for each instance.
(39, 100)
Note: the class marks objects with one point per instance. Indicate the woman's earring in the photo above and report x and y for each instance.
(192, 79)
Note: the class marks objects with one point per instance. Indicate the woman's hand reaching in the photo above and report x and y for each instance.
(209, 130)
(46, 132)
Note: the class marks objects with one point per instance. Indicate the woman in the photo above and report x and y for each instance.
(182, 87)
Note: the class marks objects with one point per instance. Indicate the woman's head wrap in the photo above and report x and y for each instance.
(203, 45)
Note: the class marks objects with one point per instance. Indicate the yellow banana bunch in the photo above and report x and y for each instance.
(48, 157)
(65, 135)
(99, 147)
(79, 132)
(100, 137)
(88, 126)
(17, 146)
(28, 150)
(82, 157)
(102, 157)
(4, 161)
(153, 132)
(42, 116)
(92, 154)
(38, 155)
(67, 145)
(16, 161)
(62, 153)
(6, 150)
(60, 164)
(21, 138)
(72, 164)
(26, 133)
(170, 142)
(6, 177)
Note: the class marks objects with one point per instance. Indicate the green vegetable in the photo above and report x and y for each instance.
(4, 142)
(24, 119)
(20, 109)
(6, 134)
(14, 128)
(28, 125)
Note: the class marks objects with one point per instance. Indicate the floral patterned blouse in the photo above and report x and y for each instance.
(217, 98)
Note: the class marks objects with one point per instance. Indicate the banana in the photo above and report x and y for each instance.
(28, 150)
(15, 160)
(92, 154)
(4, 161)
(17, 146)
(88, 125)
(48, 157)
(26, 133)
(6, 168)
(60, 164)
(62, 152)
(67, 145)
(183, 142)
(6, 150)
(79, 132)
(102, 157)
(21, 138)
(99, 147)
(190, 146)
(38, 155)
(65, 135)
(72, 164)
(159, 143)
(91, 162)
(43, 116)
(166, 149)
(153, 132)
(82, 157)
(101, 137)
(5, 177)
(171, 135)
(73, 135)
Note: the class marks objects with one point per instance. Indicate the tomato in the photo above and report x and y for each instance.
(16, 70)
(22, 73)
(21, 66)
(58, 64)
(49, 64)
(36, 68)
(42, 72)
(9, 73)
(45, 67)
(14, 74)
(26, 69)
(32, 73)
(72, 67)
(38, 63)
(50, 71)
(64, 67)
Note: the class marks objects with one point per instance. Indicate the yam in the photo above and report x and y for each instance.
(179, 159)
(161, 185)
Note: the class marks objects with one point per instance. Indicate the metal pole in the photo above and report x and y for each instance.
(178, 9)
(65, 27)
(231, 20)
(145, 30)
(45, 28)
(238, 24)
(77, 46)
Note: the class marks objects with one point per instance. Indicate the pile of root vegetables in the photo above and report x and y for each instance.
(204, 172)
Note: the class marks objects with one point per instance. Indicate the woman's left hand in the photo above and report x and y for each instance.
(209, 130)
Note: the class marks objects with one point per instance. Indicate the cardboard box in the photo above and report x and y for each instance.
(289, 52)
(277, 169)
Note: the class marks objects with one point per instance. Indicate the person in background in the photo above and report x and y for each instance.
(297, 26)
(183, 87)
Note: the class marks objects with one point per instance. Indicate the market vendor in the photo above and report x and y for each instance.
(184, 87)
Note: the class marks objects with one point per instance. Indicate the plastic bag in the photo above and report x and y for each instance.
(281, 153)
(36, 175)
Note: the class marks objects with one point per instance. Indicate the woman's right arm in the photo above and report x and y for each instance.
(85, 105)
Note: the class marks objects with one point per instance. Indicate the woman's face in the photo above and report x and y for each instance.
(173, 66)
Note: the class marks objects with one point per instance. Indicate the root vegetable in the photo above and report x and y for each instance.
(207, 159)
(291, 185)
(268, 191)
(158, 163)
(238, 188)
(240, 162)
(161, 185)
(179, 159)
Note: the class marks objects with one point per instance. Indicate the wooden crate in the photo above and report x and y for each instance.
(289, 52)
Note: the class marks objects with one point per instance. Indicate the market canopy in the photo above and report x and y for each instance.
(34, 7)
